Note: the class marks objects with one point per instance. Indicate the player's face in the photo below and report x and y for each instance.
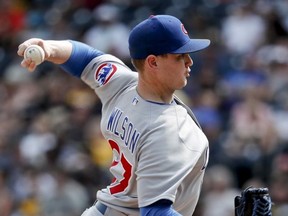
(175, 70)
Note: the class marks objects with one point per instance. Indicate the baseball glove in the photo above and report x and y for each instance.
(253, 202)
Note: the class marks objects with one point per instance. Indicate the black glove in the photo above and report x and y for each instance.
(253, 202)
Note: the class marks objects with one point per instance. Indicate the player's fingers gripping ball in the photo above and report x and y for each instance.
(35, 53)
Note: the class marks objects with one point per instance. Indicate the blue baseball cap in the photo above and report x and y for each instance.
(162, 34)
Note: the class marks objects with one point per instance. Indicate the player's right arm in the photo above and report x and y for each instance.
(91, 65)
(72, 55)
(56, 51)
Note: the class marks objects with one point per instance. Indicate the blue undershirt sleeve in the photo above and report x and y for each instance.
(160, 208)
(81, 55)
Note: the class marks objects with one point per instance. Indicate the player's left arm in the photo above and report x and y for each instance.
(161, 207)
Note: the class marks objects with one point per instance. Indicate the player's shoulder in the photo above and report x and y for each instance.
(105, 68)
(107, 62)
(108, 58)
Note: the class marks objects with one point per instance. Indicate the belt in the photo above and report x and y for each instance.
(101, 207)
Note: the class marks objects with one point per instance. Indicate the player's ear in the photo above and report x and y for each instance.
(151, 61)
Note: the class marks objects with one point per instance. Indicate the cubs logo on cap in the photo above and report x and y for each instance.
(104, 73)
(184, 29)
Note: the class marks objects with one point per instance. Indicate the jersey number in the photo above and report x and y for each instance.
(126, 175)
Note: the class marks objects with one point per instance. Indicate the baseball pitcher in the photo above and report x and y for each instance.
(159, 150)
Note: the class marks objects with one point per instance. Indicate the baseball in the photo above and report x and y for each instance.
(35, 53)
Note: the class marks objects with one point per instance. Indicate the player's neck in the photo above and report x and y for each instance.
(154, 93)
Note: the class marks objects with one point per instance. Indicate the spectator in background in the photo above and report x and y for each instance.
(252, 132)
(108, 33)
(273, 59)
(220, 191)
(243, 30)
(37, 142)
(252, 126)
(48, 192)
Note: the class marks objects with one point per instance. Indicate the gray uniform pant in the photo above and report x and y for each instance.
(98, 209)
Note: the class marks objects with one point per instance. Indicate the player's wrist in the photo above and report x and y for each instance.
(57, 52)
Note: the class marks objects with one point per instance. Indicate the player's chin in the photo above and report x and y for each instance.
(183, 84)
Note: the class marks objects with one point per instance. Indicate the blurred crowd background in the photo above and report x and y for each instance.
(53, 157)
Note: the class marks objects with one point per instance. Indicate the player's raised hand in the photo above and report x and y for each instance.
(32, 59)
(54, 51)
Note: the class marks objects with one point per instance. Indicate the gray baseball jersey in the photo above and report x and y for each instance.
(159, 152)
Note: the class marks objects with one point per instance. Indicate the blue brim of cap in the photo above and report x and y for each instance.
(193, 45)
